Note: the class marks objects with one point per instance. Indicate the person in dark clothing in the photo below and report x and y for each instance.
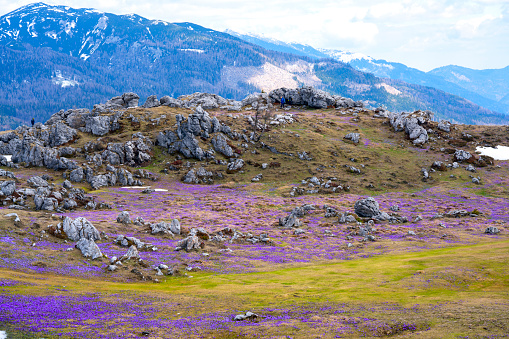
(282, 102)
(33, 122)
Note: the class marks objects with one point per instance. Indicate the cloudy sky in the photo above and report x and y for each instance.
(419, 33)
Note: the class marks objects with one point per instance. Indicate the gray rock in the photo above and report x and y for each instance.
(220, 145)
(353, 137)
(8, 187)
(235, 166)
(7, 174)
(89, 248)
(171, 102)
(491, 230)
(152, 101)
(69, 204)
(77, 175)
(112, 268)
(367, 208)
(132, 253)
(461, 155)
(130, 99)
(190, 243)
(162, 227)
(67, 184)
(61, 134)
(246, 316)
(470, 168)
(45, 203)
(444, 125)
(476, 181)
(124, 218)
(76, 229)
(290, 221)
(37, 181)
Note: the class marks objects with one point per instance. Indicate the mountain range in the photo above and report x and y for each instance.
(487, 88)
(57, 57)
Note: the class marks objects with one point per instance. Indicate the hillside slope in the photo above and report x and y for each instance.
(78, 57)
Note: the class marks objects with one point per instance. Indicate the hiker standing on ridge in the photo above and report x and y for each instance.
(33, 122)
(282, 102)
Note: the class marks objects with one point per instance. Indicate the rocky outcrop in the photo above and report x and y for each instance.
(234, 165)
(413, 124)
(444, 125)
(208, 101)
(37, 181)
(132, 153)
(171, 102)
(311, 97)
(292, 219)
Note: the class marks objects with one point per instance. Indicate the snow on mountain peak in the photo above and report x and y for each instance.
(345, 56)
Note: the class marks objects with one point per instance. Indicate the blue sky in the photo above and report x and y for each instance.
(424, 34)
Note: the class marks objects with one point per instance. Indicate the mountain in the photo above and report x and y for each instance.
(279, 46)
(486, 88)
(490, 83)
(57, 57)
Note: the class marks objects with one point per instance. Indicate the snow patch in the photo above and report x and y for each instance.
(3, 335)
(389, 89)
(9, 158)
(84, 56)
(101, 24)
(497, 153)
(144, 187)
(58, 79)
(51, 35)
(192, 50)
(345, 56)
(461, 77)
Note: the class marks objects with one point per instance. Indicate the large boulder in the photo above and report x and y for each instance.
(89, 248)
(45, 203)
(220, 145)
(367, 208)
(61, 134)
(8, 187)
(152, 101)
(75, 229)
(37, 181)
(77, 175)
(444, 125)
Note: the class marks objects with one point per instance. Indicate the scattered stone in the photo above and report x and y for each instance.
(491, 230)
(353, 137)
(235, 166)
(444, 125)
(257, 178)
(124, 218)
(190, 243)
(132, 253)
(461, 155)
(247, 316)
(167, 228)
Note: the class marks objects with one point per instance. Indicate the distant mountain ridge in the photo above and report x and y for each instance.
(487, 88)
(57, 57)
